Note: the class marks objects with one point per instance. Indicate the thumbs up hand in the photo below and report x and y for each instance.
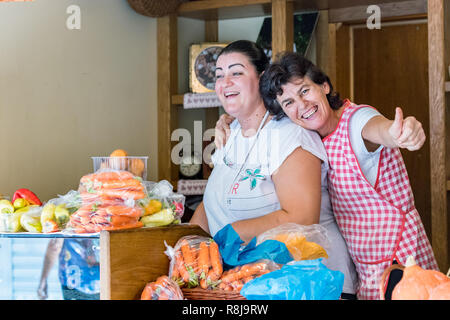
(407, 133)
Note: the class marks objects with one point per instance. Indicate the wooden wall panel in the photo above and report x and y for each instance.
(436, 56)
(282, 26)
(343, 57)
(389, 74)
(167, 86)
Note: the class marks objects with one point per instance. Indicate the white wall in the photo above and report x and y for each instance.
(67, 95)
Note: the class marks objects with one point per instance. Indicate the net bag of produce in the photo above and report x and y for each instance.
(195, 261)
(162, 289)
(303, 242)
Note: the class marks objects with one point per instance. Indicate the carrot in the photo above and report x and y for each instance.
(163, 294)
(181, 267)
(163, 281)
(93, 198)
(188, 255)
(203, 284)
(247, 279)
(203, 260)
(137, 224)
(216, 258)
(123, 184)
(121, 194)
(246, 271)
(148, 292)
(106, 175)
(237, 285)
(175, 272)
(121, 210)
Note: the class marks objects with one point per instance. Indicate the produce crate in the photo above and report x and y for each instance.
(129, 259)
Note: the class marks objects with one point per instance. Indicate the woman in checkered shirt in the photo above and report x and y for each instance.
(368, 183)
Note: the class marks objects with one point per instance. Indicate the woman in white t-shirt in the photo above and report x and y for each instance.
(269, 172)
(368, 183)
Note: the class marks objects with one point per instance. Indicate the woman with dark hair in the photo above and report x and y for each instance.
(269, 172)
(368, 182)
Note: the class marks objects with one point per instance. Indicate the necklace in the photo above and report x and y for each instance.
(230, 164)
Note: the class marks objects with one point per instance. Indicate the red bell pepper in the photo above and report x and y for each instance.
(27, 195)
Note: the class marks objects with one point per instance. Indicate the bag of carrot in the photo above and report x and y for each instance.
(108, 202)
(234, 279)
(195, 261)
(162, 289)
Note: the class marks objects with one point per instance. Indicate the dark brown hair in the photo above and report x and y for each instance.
(291, 65)
(251, 50)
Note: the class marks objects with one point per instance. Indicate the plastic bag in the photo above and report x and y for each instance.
(56, 212)
(234, 254)
(195, 261)
(108, 202)
(30, 218)
(162, 289)
(303, 242)
(297, 280)
(161, 196)
(234, 279)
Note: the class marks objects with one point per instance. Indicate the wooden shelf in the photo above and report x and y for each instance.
(235, 9)
(447, 86)
(178, 99)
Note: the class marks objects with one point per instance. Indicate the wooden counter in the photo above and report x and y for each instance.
(131, 258)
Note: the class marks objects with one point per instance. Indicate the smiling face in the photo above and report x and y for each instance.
(306, 104)
(237, 85)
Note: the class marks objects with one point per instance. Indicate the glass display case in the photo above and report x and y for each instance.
(69, 263)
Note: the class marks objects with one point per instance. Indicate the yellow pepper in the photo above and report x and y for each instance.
(152, 207)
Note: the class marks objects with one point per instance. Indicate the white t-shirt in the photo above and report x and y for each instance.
(368, 161)
(240, 190)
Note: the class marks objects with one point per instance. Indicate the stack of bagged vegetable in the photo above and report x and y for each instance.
(108, 202)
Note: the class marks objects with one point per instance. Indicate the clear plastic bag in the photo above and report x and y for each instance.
(162, 206)
(30, 219)
(163, 191)
(303, 242)
(109, 201)
(162, 289)
(234, 279)
(57, 211)
(195, 261)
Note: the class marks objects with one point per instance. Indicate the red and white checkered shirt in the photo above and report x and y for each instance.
(379, 223)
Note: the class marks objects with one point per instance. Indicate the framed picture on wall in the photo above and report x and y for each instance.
(202, 66)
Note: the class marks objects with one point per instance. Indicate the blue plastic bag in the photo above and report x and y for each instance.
(233, 254)
(298, 280)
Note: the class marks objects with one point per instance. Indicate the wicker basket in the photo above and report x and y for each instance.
(155, 8)
(204, 294)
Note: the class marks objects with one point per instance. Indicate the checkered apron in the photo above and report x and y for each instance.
(379, 223)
